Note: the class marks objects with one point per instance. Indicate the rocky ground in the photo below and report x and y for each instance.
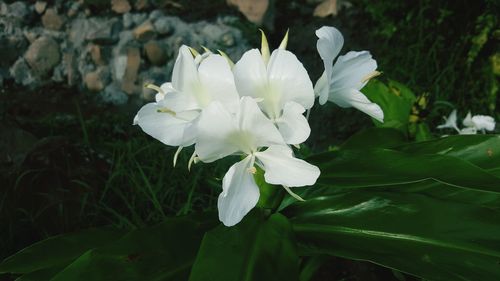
(111, 54)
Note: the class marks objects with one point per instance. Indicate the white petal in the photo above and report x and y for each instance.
(468, 120)
(179, 101)
(282, 168)
(167, 87)
(329, 44)
(356, 99)
(288, 80)
(250, 74)
(168, 128)
(351, 71)
(218, 80)
(468, 131)
(322, 88)
(216, 133)
(257, 129)
(293, 125)
(451, 121)
(185, 74)
(239, 194)
(483, 122)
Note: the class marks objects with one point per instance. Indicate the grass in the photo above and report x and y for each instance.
(85, 172)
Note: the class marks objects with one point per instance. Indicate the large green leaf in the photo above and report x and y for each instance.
(378, 167)
(58, 250)
(375, 138)
(163, 252)
(258, 248)
(433, 238)
(482, 150)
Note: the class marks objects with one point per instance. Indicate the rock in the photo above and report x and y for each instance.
(139, 18)
(144, 32)
(22, 74)
(11, 47)
(154, 15)
(155, 53)
(96, 55)
(130, 76)
(18, 10)
(119, 67)
(43, 55)
(128, 21)
(4, 9)
(93, 82)
(69, 64)
(40, 7)
(51, 20)
(113, 95)
(97, 30)
(120, 6)
(73, 9)
(96, 80)
(164, 26)
(254, 10)
(141, 5)
(107, 33)
(31, 35)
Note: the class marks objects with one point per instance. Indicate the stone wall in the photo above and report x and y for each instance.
(111, 54)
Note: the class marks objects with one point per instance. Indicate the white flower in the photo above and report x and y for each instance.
(450, 122)
(342, 82)
(479, 122)
(281, 85)
(472, 124)
(195, 83)
(468, 131)
(248, 132)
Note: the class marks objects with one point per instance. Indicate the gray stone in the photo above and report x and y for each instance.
(128, 21)
(11, 48)
(113, 95)
(22, 74)
(43, 55)
(139, 18)
(4, 9)
(19, 10)
(98, 30)
(119, 66)
(106, 33)
(156, 14)
(164, 25)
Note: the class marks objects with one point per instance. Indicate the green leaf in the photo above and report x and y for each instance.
(482, 150)
(258, 248)
(162, 252)
(41, 275)
(422, 132)
(395, 100)
(311, 265)
(375, 138)
(378, 167)
(428, 237)
(58, 250)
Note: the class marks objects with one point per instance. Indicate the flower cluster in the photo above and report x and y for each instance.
(253, 108)
(472, 124)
